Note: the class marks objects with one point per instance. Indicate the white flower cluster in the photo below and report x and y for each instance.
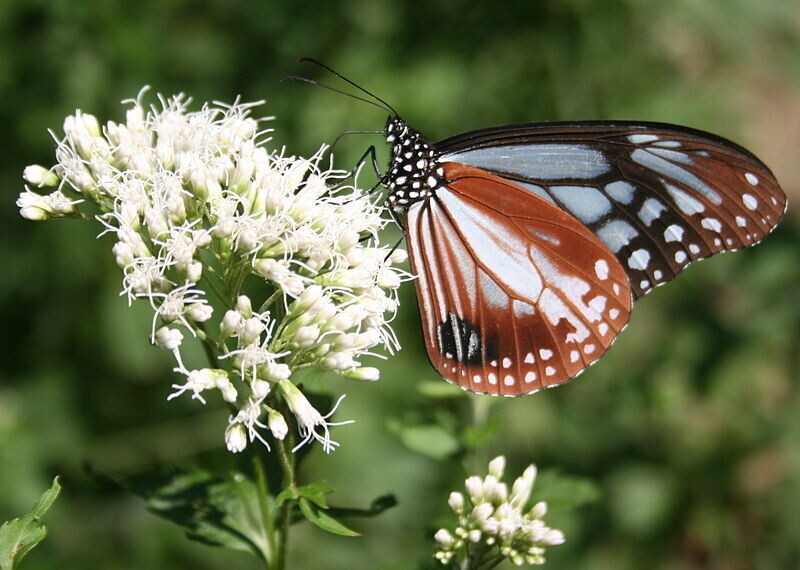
(491, 516)
(199, 208)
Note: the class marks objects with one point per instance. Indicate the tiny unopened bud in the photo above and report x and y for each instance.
(251, 331)
(398, 256)
(456, 502)
(474, 486)
(231, 323)
(39, 176)
(277, 424)
(236, 438)
(305, 336)
(168, 338)
(444, 538)
(244, 306)
(363, 374)
(497, 466)
(194, 271)
(539, 510)
(275, 371)
(260, 388)
(200, 312)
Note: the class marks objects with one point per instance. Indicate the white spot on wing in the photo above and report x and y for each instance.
(549, 370)
(616, 234)
(506, 362)
(598, 303)
(530, 377)
(529, 359)
(686, 203)
(622, 191)
(508, 380)
(651, 210)
(751, 178)
(680, 256)
(741, 221)
(642, 139)
(545, 353)
(492, 378)
(750, 201)
(601, 269)
(586, 203)
(712, 224)
(639, 259)
(673, 233)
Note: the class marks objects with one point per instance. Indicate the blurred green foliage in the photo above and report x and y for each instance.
(689, 428)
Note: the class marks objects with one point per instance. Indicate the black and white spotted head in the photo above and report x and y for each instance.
(414, 170)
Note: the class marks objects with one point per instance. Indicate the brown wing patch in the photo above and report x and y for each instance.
(515, 294)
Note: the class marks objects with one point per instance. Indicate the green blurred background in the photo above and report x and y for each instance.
(689, 428)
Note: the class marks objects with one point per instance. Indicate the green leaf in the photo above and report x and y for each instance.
(324, 521)
(377, 506)
(439, 389)
(564, 491)
(315, 492)
(19, 536)
(217, 511)
(428, 439)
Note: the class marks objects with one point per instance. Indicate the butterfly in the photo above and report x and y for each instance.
(531, 242)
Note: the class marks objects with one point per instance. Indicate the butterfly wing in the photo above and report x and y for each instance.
(515, 294)
(658, 196)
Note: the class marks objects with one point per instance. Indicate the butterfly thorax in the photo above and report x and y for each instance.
(414, 171)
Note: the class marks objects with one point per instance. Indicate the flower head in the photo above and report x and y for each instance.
(488, 514)
(198, 205)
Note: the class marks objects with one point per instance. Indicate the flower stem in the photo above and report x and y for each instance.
(265, 503)
(287, 466)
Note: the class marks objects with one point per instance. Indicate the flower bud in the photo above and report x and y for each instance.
(538, 510)
(363, 374)
(497, 466)
(277, 424)
(444, 538)
(275, 371)
(40, 176)
(398, 256)
(231, 322)
(305, 336)
(194, 271)
(260, 388)
(456, 502)
(200, 312)
(168, 338)
(236, 438)
(251, 331)
(244, 306)
(474, 486)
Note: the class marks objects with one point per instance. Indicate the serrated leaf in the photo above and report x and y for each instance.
(315, 492)
(324, 521)
(19, 536)
(216, 511)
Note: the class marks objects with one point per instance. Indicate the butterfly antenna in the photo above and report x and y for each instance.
(383, 107)
(353, 83)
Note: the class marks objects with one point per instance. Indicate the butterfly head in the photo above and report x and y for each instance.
(414, 171)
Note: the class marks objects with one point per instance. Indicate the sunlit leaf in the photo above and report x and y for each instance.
(19, 536)
(323, 521)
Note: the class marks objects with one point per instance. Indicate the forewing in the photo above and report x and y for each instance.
(515, 295)
(659, 196)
